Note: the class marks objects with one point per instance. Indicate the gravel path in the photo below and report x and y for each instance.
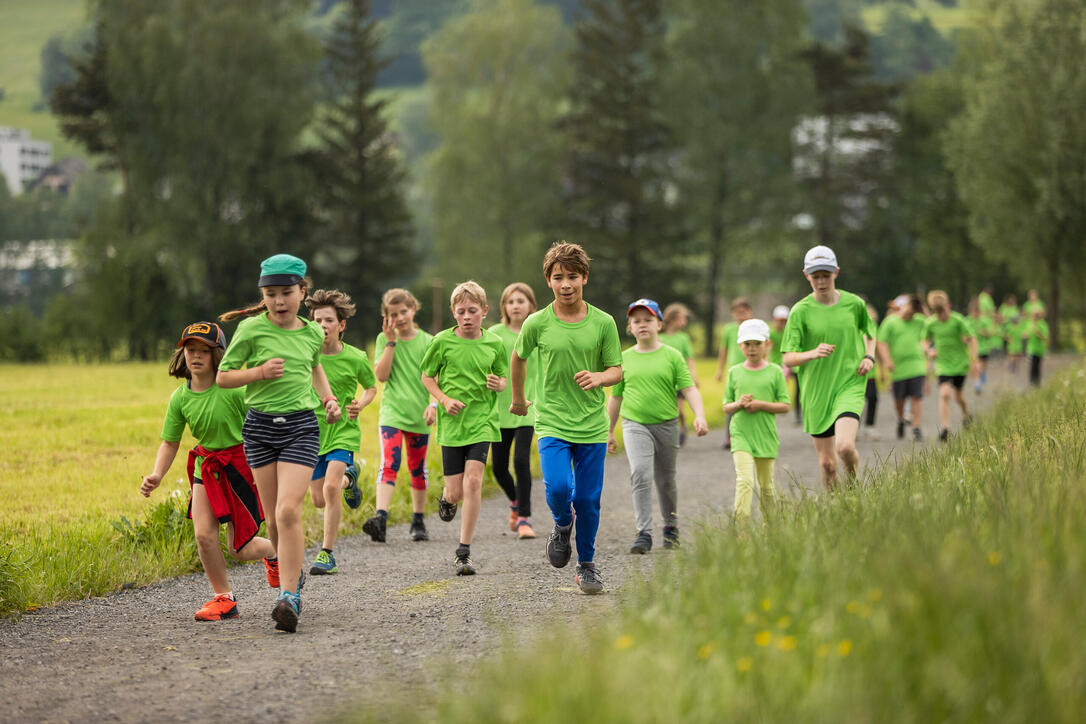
(394, 613)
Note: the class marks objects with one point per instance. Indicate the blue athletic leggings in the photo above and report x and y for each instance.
(573, 475)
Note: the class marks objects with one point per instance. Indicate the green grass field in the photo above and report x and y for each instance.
(79, 438)
(947, 589)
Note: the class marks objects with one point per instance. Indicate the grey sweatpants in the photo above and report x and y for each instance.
(651, 450)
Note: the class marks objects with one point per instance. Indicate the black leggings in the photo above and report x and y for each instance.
(1035, 370)
(871, 397)
(521, 492)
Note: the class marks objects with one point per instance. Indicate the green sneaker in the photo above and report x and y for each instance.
(325, 565)
(352, 495)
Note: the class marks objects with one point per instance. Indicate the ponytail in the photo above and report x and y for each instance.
(249, 311)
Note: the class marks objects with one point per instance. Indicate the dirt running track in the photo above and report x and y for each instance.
(394, 613)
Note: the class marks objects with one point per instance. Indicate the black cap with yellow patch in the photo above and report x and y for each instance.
(207, 332)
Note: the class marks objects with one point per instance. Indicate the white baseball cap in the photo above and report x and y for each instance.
(780, 312)
(753, 330)
(819, 258)
(900, 301)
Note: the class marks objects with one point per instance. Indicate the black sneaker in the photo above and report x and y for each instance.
(900, 429)
(418, 531)
(917, 435)
(943, 435)
(445, 511)
(558, 548)
(463, 563)
(588, 578)
(375, 528)
(671, 536)
(642, 543)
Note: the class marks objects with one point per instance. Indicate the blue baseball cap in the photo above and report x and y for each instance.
(281, 270)
(647, 304)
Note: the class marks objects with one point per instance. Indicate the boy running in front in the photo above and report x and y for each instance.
(579, 354)
(464, 369)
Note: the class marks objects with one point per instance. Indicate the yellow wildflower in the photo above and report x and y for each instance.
(624, 642)
(784, 622)
(994, 559)
(875, 594)
(766, 604)
(744, 663)
(762, 638)
(852, 607)
(705, 651)
(786, 643)
(844, 648)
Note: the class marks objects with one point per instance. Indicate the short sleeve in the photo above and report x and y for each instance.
(528, 338)
(682, 373)
(865, 322)
(610, 348)
(366, 378)
(967, 326)
(617, 390)
(928, 333)
(729, 389)
(780, 387)
(380, 343)
(433, 360)
(238, 352)
(792, 341)
(173, 427)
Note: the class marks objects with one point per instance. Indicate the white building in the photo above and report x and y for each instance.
(21, 159)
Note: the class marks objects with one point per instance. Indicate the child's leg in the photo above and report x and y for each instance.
(316, 491)
(767, 490)
(555, 460)
(1034, 370)
(744, 482)
(453, 492)
(871, 398)
(268, 489)
(637, 439)
(472, 489)
(254, 550)
(522, 467)
(417, 444)
(587, 489)
(916, 409)
(960, 399)
(946, 389)
(899, 407)
(293, 481)
(665, 437)
(333, 510)
(827, 461)
(391, 450)
(844, 433)
(206, 527)
(499, 463)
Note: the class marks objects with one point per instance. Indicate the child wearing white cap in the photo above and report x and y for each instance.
(755, 392)
(830, 338)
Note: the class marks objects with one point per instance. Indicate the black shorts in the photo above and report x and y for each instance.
(290, 438)
(912, 387)
(957, 380)
(829, 432)
(983, 357)
(454, 459)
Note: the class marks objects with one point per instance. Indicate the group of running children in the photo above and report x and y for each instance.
(275, 412)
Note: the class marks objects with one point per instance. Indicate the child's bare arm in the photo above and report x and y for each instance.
(164, 458)
(518, 371)
(591, 380)
(451, 406)
(324, 391)
(775, 408)
(693, 397)
(270, 370)
(614, 406)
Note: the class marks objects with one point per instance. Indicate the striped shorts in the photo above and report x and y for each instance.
(290, 438)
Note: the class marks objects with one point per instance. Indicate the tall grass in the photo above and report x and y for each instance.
(948, 589)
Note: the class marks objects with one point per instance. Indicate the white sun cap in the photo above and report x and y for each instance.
(753, 330)
(780, 312)
(819, 258)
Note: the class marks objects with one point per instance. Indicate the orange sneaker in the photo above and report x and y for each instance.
(220, 607)
(272, 566)
(524, 530)
(513, 519)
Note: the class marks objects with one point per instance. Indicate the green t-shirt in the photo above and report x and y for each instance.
(404, 399)
(649, 381)
(1010, 313)
(1036, 334)
(680, 341)
(776, 354)
(906, 342)
(214, 416)
(1012, 332)
(730, 339)
(563, 409)
(985, 328)
(461, 366)
(256, 341)
(1030, 307)
(986, 304)
(345, 371)
(829, 386)
(507, 419)
(951, 352)
(756, 432)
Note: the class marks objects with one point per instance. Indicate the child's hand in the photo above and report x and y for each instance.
(453, 406)
(612, 443)
(272, 369)
(331, 412)
(429, 415)
(931, 353)
(701, 427)
(865, 366)
(150, 482)
(353, 408)
(495, 383)
(745, 401)
(587, 380)
(520, 409)
(822, 350)
(389, 329)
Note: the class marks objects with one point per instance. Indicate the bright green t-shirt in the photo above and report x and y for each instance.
(507, 419)
(1030, 307)
(776, 354)
(256, 341)
(951, 352)
(986, 304)
(730, 339)
(906, 342)
(756, 432)
(680, 341)
(1012, 332)
(563, 409)
(986, 331)
(649, 381)
(829, 386)
(214, 416)
(404, 399)
(461, 366)
(345, 371)
(1036, 334)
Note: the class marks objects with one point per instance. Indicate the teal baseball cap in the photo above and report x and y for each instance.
(281, 270)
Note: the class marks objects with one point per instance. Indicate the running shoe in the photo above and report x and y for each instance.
(682, 437)
(671, 536)
(642, 543)
(588, 578)
(325, 565)
(900, 429)
(558, 548)
(285, 613)
(418, 531)
(464, 565)
(218, 608)
(524, 530)
(513, 517)
(352, 494)
(917, 435)
(271, 566)
(943, 435)
(445, 511)
(375, 528)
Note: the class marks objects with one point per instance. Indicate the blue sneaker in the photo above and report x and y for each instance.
(352, 495)
(285, 613)
(325, 565)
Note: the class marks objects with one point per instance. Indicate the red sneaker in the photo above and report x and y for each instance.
(272, 566)
(220, 607)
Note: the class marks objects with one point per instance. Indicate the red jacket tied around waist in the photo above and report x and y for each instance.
(229, 485)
